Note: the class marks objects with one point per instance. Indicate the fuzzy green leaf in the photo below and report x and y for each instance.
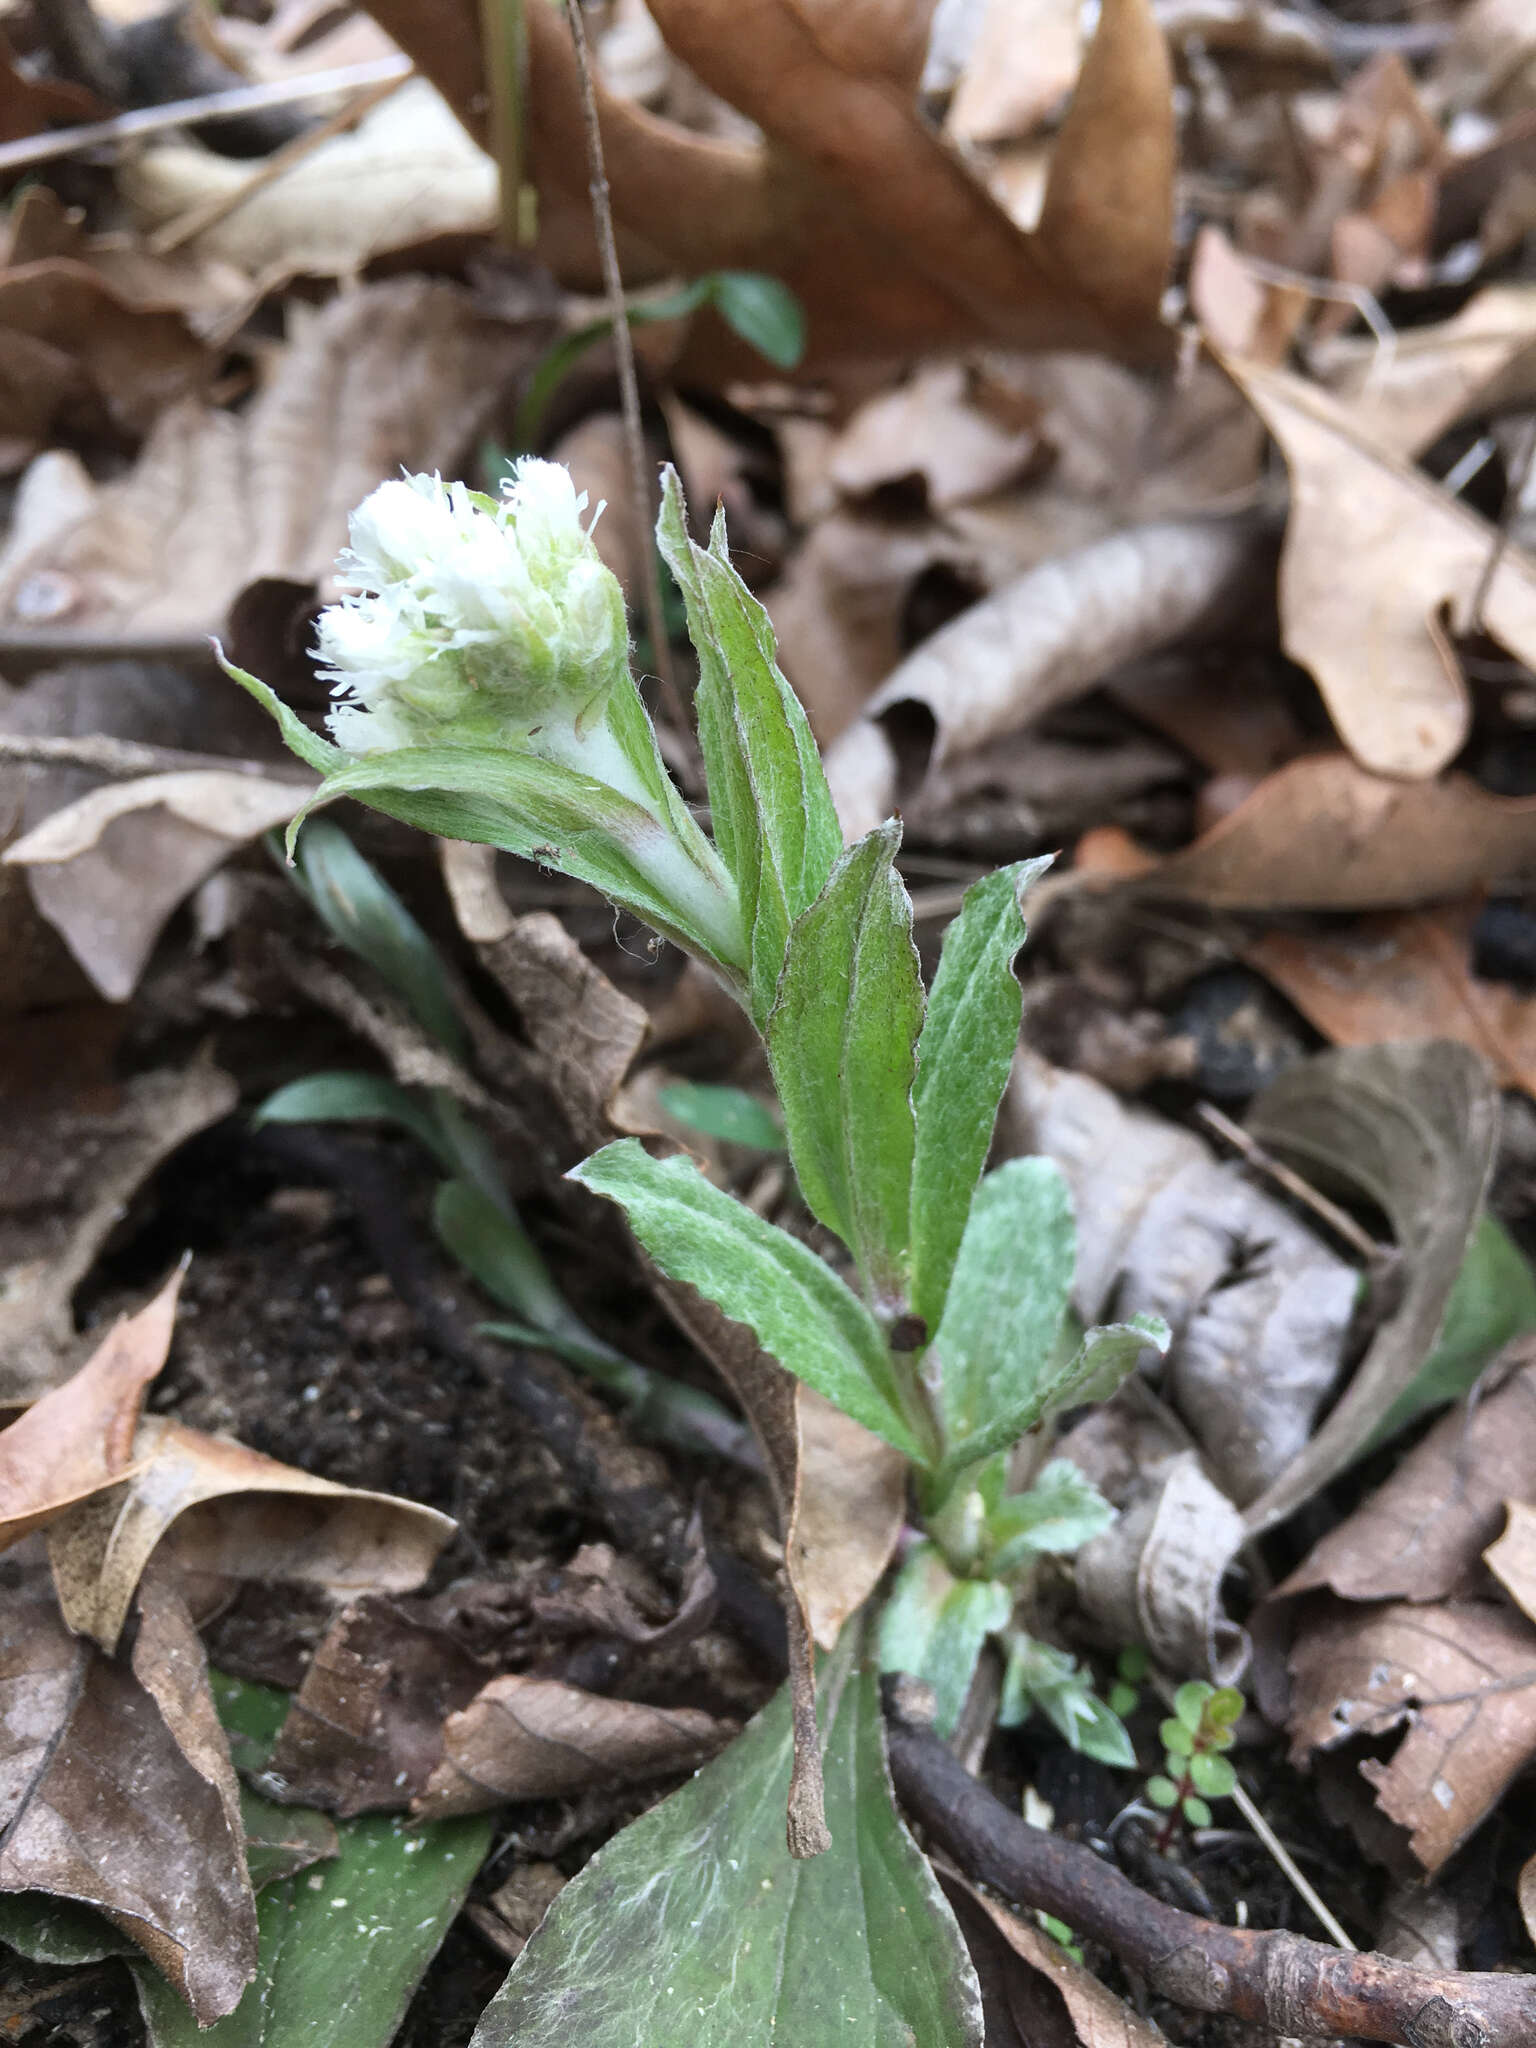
(968, 1040)
(792, 1301)
(994, 1345)
(316, 752)
(841, 1040)
(770, 807)
(346, 1098)
(1103, 1359)
(1061, 1512)
(694, 1926)
(1040, 1676)
(935, 1625)
(729, 1114)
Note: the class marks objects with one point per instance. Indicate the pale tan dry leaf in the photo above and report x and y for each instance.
(1022, 65)
(888, 240)
(1451, 1677)
(1036, 643)
(534, 1738)
(929, 431)
(78, 1437)
(1239, 312)
(108, 870)
(1324, 834)
(119, 1792)
(1421, 1534)
(406, 172)
(1527, 1896)
(1490, 61)
(852, 1503)
(1406, 975)
(226, 1511)
(1512, 1559)
(1376, 641)
(70, 1168)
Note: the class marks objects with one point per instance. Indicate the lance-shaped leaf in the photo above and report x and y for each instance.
(792, 1301)
(344, 1097)
(842, 1041)
(1002, 1319)
(935, 1625)
(693, 1926)
(967, 1045)
(770, 807)
(1106, 1354)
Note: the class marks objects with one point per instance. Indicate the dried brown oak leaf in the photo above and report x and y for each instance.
(851, 197)
(116, 1790)
(1512, 1560)
(1379, 567)
(534, 1738)
(1459, 1679)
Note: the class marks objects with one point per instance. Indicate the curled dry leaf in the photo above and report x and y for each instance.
(1038, 642)
(1377, 641)
(1421, 1534)
(70, 1168)
(850, 196)
(79, 1437)
(1404, 975)
(1414, 1127)
(228, 1512)
(108, 870)
(119, 1791)
(1456, 1677)
(1323, 833)
(1512, 1560)
(534, 1738)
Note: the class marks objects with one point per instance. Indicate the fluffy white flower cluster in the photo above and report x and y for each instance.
(467, 622)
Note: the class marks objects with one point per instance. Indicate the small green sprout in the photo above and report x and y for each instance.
(1131, 1667)
(1203, 1725)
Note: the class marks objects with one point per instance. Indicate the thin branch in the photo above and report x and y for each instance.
(1300, 1882)
(1269, 1978)
(125, 760)
(1338, 1220)
(208, 106)
(629, 387)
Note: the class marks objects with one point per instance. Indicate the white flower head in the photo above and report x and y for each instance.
(471, 623)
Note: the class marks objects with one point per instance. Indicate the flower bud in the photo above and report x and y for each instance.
(468, 623)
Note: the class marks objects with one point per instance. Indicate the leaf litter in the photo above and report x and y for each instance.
(1201, 557)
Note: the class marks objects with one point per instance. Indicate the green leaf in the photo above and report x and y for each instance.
(770, 808)
(935, 1625)
(557, 816)
(1123, 1698)
(364, 913)
(495, 1250)
(342, 1946)
(345, 1098)
(1196, 1812)
(792, 1301)
(764, 312)
(1061, 1512)
(1040, 1676)
(1176, 1738)
(1224, 1708)
(1134, 1662)
(1189, 1703)
(316, 752)
(694, 1926)
(969, 1037)
(993, 1347)
(1092, 1728)
(1162, 1791)
(729, 1114)
(841, 1041)
(1103, 1359)
(1213, 1776)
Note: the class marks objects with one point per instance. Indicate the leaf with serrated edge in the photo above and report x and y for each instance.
(1006, 1300)
(770, 807)
(792, 1301)
(1106, 1354)
(1061, 1512)
(693, 1925)
(841, 1040)
(969, 1037)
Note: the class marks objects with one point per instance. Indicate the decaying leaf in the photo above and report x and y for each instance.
(1323, 833)
(1377, 641)
(224, 1511)
(1406, 975)
(534, 1738)
(1414, 1127)
(119, 1791)
(1421, 1535)
(1512, 1560)
(1456, 1677)
(1036, 643)
(108, 870)
(70, 1169)
(885, 236)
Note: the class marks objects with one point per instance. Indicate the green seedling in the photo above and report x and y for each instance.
(483, 692)
(1196, 1770)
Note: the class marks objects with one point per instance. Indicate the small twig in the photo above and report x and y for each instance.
(199, 218)
(1519, 472)
(504, 37)
(629, 386)
(1301, 1884)
(124, 760)
(208, 106)
(1269, 1978)
(1338, 1220)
